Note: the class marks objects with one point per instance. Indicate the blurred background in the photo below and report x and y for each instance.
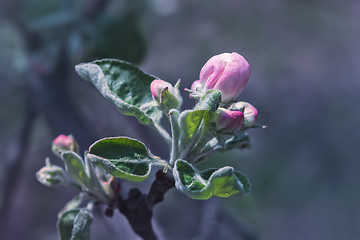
(305, 82)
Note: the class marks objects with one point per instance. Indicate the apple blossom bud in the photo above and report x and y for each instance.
(157, 86)
(195, 87)
(226, 72)
(250, 112)
(167, 96)
(64, 143)
(229, 121)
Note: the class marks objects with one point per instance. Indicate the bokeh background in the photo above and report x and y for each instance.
(305, 81)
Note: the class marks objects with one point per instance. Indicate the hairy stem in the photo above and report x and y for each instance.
(174, 116)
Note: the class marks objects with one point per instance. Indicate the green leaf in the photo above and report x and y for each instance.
(65, 224)
(75, 224)
(123, 157)
(94, 182)
(82, 223)
(84, 175)
(210, 101)
(195, 125)
(125, 85)
(242, 141)
(221, 182)
(75, 167)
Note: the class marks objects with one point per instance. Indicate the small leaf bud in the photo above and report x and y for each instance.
(52, 175)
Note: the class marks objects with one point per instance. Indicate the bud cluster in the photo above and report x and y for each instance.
(228, 73)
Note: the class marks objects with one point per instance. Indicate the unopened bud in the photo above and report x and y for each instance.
(250, 112)
(229, 121)
(167, 96)
(157, 87)
(52, 175)
(227, 72)
(64, 143)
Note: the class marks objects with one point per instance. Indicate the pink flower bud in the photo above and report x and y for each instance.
(157, 86)
(250, 112)
(227, 72)
(229, 121)
(196, 86)
(64, 143)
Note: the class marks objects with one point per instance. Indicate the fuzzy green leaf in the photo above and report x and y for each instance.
(221, 182)
(75, 167)
(123, 157)
(84, 174)
(94, 182)
(75, 224)
(125, 85)
(66, 222)
(210, 101)
(242, 142)
(81, 227)
(190, 121)
(195, 128)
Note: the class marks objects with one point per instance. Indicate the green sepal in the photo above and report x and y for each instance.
(125, 85)
(221, 182)
(123, 157)
(210, 101)
(169, 101)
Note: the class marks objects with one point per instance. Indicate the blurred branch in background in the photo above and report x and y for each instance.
(48, 39)
(46, 95)
(13, 159)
